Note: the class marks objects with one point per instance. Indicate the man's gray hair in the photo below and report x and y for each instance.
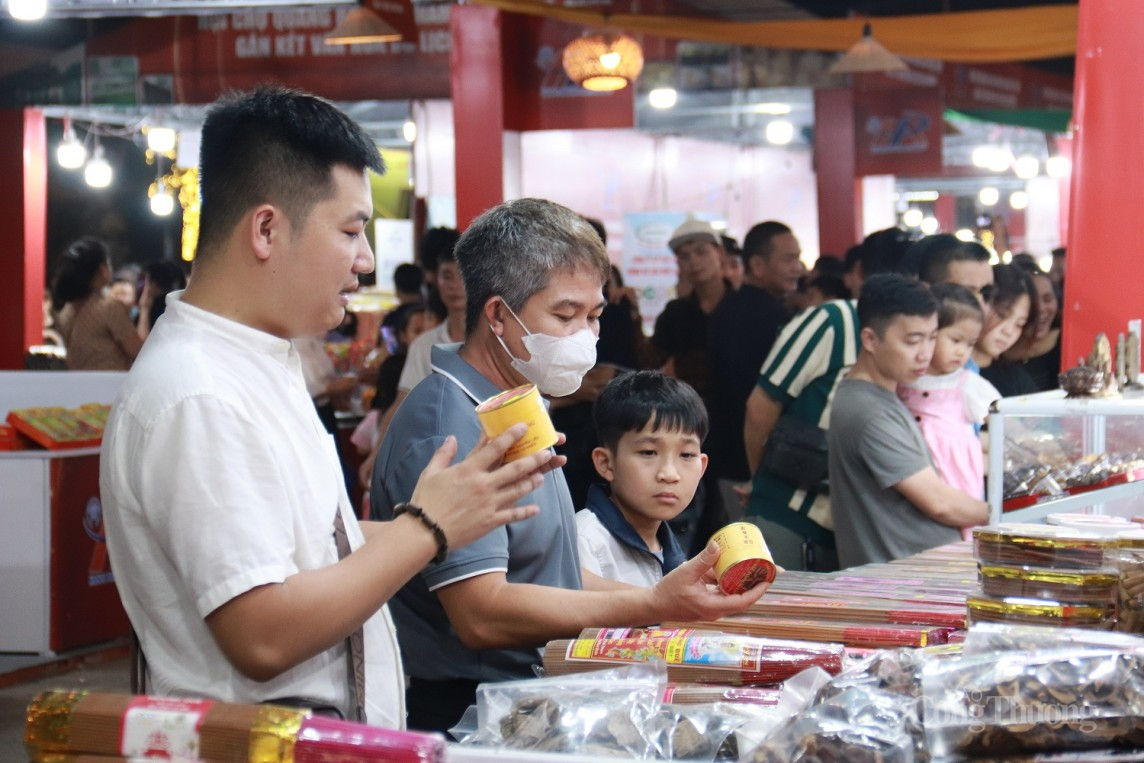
(512, 250)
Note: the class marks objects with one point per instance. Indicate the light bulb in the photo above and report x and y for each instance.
(912, 217)
(1019, 200)
(97, 173)
(662, 97)
(982, 156)
(779, 132)
(28, 10)
(70, 154)
(929, 226)
(610, 60)
(1058, 166)
(1001, 160)
(162, 203)
(965, 234)
(989, 196)
(1027, 167)
(409, 130)
(162, 140)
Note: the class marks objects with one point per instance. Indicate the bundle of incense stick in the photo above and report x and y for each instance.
(849, 634)
(858, 610)
(120, 725)
(693, 656)
(706, 694)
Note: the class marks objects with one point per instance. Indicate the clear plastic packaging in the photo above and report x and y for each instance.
(604, 713)
(997, 703)
(1004, 637)
(858, 725)
(1042, 546)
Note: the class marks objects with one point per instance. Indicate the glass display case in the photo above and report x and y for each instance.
(1050, 454)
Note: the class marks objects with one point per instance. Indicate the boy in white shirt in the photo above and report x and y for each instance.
(651, 428)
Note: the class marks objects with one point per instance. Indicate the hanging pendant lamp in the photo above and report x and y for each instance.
(603, 62)
(867, 55)
(362, 25)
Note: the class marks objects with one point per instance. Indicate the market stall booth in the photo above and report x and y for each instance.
(57, 590)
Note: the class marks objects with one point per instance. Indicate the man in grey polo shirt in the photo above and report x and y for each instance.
(534, 273)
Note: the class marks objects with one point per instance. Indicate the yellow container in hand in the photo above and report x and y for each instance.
(745, 560)
(523, 405)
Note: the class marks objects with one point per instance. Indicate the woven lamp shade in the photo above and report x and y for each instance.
(603, 61)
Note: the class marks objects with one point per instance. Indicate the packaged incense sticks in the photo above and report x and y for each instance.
(859, 610)
(1054, 584)
(693, 656)
(1042, 546)
(846, 633)
(78, 722)
(985, 609)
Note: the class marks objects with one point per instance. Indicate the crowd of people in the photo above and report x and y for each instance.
(844, 403)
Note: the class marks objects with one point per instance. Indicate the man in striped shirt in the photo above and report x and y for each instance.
(812, 354)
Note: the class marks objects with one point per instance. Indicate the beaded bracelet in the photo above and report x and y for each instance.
(425, 519)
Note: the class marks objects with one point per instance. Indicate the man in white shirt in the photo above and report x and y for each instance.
(221, 489)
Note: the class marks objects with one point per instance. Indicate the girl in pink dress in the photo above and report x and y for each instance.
(949, 400)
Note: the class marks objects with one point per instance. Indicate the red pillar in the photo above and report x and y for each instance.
(839, 192)
(1107, 182)
(476, 66)
(23, 206)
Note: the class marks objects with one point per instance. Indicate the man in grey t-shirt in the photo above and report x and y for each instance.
(888, 500)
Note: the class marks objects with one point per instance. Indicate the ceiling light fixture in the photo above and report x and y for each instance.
(362, 25)
(1026, 166)
(774, 109)
(867, 55)
(1019, 200)
(162, 140)
(70, 153)
(988, 196)
(603, 62)
(97, 173)
(779, 132)
(28, 10)
(663, 97)
(1058, 166)
(162, 201)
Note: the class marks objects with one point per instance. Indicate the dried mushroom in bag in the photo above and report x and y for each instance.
(694, 732)
(859, 725)
(604, 713)
(1008, 702)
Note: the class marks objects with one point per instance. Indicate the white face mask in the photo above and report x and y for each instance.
(556, 364)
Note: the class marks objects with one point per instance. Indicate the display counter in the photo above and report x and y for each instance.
(1050, 454)
(57, 591)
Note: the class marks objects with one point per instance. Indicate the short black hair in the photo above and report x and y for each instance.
(757, 242)
(883, 250)
(408, 278)
(955, 303)
(831, 287)
(930, 257)
(436, 246)
(829, 265)
(273, 144)
(639, 399)
(887, 295)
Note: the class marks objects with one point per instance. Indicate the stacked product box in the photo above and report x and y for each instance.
(1045, 575)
